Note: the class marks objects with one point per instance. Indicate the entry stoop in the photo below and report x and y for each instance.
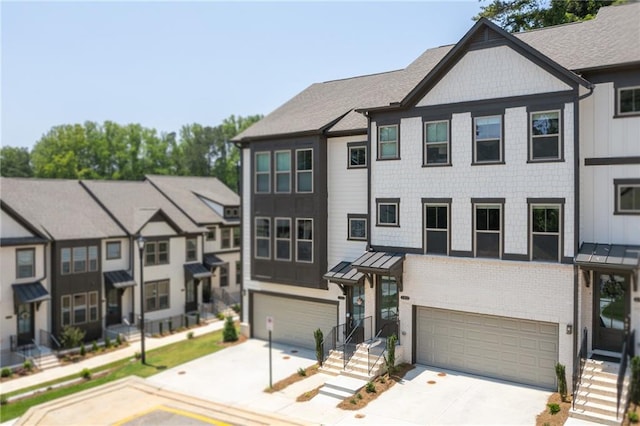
(341, 387)
(596, 399)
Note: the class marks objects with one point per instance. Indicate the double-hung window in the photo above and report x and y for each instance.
(304, 170)
(192, 249)
(236, 236)
(357, 155)
(545, 232)
(79, 308)
(93, 306)
(65, 260)
(25, 263)
(387, 210)
(436, 218)
(545, 136)
(262, 172)
(93, 258)
(225, 238)
(388, 146)
(304, 240)
(436, 143)
(114, 250)
(224, 275)
(488, 139)
(238, 272)
(262, 237)
(79, 259)
(211, 233)
(627, 196)
(629, 100)
(283, 239)
(283, 171)
(156, 295)
(156, 253)
(357, 227)
(488, 230)
(65, 302)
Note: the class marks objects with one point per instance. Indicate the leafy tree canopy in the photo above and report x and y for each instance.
(15, 162)
(522, 15)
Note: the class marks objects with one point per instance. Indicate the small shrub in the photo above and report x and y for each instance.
(118, 340)
(220, 316)
(236, 308)
(190, 335)
(554, 408)
(6, 372)
(633, 417)
(94, 346)
(562, 381)
(302, 372)
(382, 380)
(370, 387)
(353, 401)
(83, 350)
(137, 355)
(229, 333)
(358, 396)
(107, 342)
(390, 358)
(3, 400)
(85, 374)
(71, 337)
(318, 337)
(27, 365)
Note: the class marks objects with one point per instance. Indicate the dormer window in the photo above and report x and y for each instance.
(231, 212)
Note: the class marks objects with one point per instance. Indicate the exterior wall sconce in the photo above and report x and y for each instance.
(569, 328)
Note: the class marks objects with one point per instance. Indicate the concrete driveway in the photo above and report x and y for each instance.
(237, 377)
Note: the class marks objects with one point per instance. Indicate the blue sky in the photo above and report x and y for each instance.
(166, 64)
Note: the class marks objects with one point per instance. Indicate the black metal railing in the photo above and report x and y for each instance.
(361, 331)
(169, 324)
(395, 329)
(328, 343)
(370, 365)
(49, 340)
(578, 365)
(627, 350)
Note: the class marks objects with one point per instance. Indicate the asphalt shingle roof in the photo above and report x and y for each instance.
(612, 38)
(59, 208)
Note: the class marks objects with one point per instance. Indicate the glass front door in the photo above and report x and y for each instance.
(611, 319)
(191, 296)
(114, 306)
(355, 311)
(387, 312)
(25, 324)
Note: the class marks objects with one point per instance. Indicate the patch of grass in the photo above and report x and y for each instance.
(157, 360)
(296, 377)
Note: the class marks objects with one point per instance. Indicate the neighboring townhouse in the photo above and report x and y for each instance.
(482, 204)
(69, 259)
(172, 253)
(210, 204)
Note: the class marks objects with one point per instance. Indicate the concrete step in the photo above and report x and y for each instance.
(595, 418)
(341, 387)
(597, 408)
(609, 391)
(334, 393)
(49, 361)
(595, 398)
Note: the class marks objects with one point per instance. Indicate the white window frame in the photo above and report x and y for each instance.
(78, 259)
(92, 258)
(117, 244)
(79, 307)
(256, 238)
(354, 147)
(282, 172)
(304, 240)
(619, 185)
(66, 257)
(532, 137)
(155, 285)
(476, 140)
(396, 143)
(299, 172)
(257, 173)
(226, 238)
(31, 265)
(93, 310)
(379, 204)
(619, 100)
(193, 249)
(427, 143)
(476, 230)
(446, 231)
(277, 239)
(66, 308)
(535, 206)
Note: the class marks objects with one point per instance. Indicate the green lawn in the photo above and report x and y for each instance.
(157, 360)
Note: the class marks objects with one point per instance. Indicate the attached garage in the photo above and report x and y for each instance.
(295, 319)
(504, 348)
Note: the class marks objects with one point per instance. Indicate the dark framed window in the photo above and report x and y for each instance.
(93, 258)
(488, 230)
(65, 261)
(236, 236)
(156, 253)
(304, 170)
(627, 196)
(629, 100)
(231, 212)
(388, 298)
(357, 227)
(224, 275)
(262, 238)
(79, 259)
(225, 238)
(283, 171)
(357, 155)
(388, 142)
(238, 272)
(192, 249)
(304, 240)
(211, 233)
(436, 143)
(545, 135)
(93, 306)
(25, 263)
(388, 212)
(436, 238)
(545, 232)
(65, 311)
(156, 295)
(114, 250)
(283, 239)
(262, 172)
(488, 139)
(79, 308)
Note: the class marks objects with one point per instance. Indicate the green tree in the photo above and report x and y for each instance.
(522, 15)
(15, 162)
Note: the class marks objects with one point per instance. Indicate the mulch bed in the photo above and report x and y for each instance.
(295, 377)
(381, 384)
(545, 418)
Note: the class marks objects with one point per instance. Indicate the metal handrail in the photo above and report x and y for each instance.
(578, 366)
(397, 323)
(369, 365)
(346, 355)
(627, 346)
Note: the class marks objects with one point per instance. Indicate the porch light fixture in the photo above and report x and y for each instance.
(569, 328)
(141, 242)
(359, 301)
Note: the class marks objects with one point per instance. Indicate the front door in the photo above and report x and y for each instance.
(611, 308)
(387, 303)
(114, 306)
(26, 328)
(191, 296)
(355, 312)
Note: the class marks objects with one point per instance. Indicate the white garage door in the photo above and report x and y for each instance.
(295, 320)
(505, 348)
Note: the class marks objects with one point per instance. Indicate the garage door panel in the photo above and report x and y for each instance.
(294, 320)
(505, 348)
